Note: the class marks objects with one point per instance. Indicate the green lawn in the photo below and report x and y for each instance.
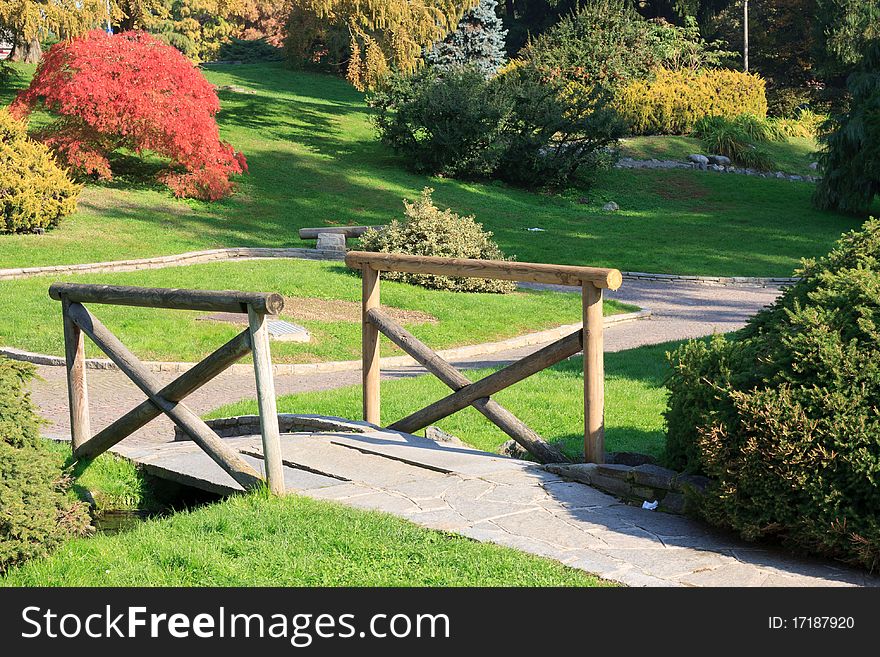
(794, 155)
(314, 160)
(551, 402)
(30, 320)
(249, 540)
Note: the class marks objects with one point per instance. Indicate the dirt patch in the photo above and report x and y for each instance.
(335, 310)
(680, 188)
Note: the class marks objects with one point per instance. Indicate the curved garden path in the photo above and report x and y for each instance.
(679, 310)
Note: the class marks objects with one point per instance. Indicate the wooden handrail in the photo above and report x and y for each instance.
(154, 297)
(527, 272)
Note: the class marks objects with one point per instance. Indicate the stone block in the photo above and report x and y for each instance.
(330, 242)
(654, 476)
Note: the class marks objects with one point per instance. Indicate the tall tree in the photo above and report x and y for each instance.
(29, 21)
(384, 33)
(844, 29)
(478, 41)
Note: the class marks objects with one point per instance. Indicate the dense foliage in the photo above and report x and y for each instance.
(783, 415)
(516, 127)
(740, 138)
(428, 231)
(607, 44)
(249, 51)
(381, 33)
(478, 41)
(36, 192)
(851, 157)
(132, 91)
(672, 102)
(36, 514)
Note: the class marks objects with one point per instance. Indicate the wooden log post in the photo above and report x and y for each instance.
(500, 416)
(77, 392)
(370, 347)
(594, 375)
(176, 391)
(266, 402)
(487, 386)
(192, 424)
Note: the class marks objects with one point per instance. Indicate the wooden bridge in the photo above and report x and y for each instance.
(243, 462)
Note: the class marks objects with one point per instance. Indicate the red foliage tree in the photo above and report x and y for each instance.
(132, 91)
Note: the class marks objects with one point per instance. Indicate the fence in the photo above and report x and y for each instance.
(591, 280)
(169, 399)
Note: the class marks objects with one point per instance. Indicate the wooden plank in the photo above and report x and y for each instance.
(228, 301)
(266, 401)
(176, 391)
(182, 416)
(370, 347)
(77, 390)
(493, 269)
(500, 416)
(594, 376)
(348, 231)
(488, 386)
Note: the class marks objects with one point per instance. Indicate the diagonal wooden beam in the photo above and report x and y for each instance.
(500, 416)
(176, 391)
(192, 424)
(488, 386)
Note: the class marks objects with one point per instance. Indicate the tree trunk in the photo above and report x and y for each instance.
(29, 52)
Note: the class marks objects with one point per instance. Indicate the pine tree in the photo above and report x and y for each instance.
(478, 41)
(851, 159)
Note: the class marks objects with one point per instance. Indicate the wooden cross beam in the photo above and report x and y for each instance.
(446, 372)
(168, 399)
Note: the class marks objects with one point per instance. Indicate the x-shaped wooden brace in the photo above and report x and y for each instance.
(467, 393)
(168, 399)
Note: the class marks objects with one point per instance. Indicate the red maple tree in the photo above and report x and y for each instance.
(131, 90)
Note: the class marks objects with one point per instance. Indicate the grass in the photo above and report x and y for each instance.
(251, 540)
(551, 402)
(30, 320)
(794, 155)
(314, 160)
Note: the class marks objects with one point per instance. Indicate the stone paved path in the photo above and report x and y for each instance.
(505, 501)
(484, 496)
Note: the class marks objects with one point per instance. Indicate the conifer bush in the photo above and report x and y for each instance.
(34, 191)
(36, 513)
(783, 415)
(132, 91)
(428, 231)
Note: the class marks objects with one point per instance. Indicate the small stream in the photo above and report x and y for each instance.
(117, 521)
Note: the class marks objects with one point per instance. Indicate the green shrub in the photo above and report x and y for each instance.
(36, 513)
(249, 51)
(851, 156)
(517, 127)
(428, 231)
(672, 102)
(807, 124)
(735, 139)
(782, 416)
(34, 191)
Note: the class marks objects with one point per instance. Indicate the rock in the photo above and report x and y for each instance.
(720, 160)
(514, 450)
(39, 231)
(698, 159)
(438, 435)
(814, 166)
(331, 242)
(781, 175)
(654, 476)
(629, 458)
(611, 206)
(716, 167)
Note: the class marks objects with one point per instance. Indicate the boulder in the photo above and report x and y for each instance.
(698, 159)
(720, 160)
(611, 206)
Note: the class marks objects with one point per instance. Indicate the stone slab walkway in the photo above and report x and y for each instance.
(505, 501)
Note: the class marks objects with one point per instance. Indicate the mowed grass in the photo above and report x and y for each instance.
(314, 160)
(794, 155)
(252, 540)
(30, 320)
(551, 402)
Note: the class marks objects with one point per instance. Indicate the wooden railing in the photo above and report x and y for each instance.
(591, 280)
(169, 399)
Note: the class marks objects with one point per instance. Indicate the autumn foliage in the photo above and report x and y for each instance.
(132, 91)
